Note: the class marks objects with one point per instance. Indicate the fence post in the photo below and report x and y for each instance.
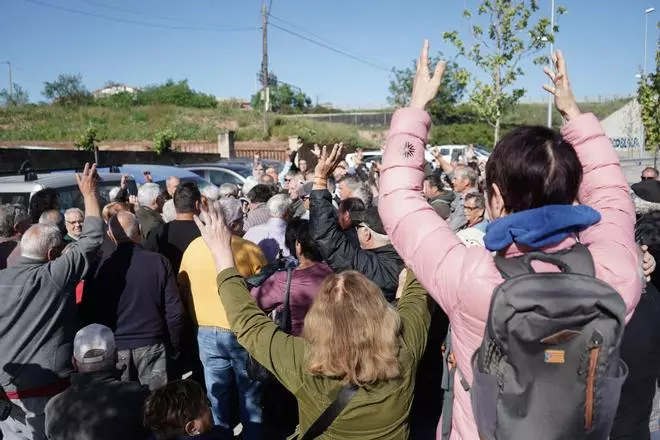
(226, 144)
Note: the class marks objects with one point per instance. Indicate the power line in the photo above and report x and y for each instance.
(325, 46)
(140, 13)
(136, 22)
(319, 37)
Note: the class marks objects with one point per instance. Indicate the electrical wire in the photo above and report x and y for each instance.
(140, 13)
(136, 22)
(333, 49)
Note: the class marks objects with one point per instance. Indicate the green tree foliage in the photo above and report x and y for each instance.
(442, 109)
(175, 93)
(67, 89)
(88, 141)
(284, 99)
(19, 96)
(648, 95)
(163, 140)
(503, 33)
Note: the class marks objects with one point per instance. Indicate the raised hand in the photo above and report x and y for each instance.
(88, 181)
(561, 88)
(217, 236)
(317, 150)
(425, 87)
(123, 183)
(648, 262)
(328, 162)
(133, 200)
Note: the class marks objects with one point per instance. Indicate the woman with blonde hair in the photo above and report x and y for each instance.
(352, 339)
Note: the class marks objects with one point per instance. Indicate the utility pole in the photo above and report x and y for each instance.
(264, 65)
(11, 82)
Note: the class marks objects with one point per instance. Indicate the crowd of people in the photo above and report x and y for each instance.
(463, 299)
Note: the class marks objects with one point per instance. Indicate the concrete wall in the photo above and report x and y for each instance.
(624, 127)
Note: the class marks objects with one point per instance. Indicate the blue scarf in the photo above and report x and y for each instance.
(540, 227)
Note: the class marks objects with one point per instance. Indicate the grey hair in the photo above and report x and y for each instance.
(10, 216)
(232, 210)
(359, 189)
(468, 173)
(38, 239)
(279, 205)
(211, 192)
(479, 199)
(72, 211)
(112, 194)
(133, 228)
(51, 217)
(147, 193)
(228, 189)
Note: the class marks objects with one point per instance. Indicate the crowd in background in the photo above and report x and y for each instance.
(326, 300)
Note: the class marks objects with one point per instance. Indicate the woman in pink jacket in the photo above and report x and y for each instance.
(531, 171)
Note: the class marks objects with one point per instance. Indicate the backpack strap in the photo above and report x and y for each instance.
(330, 414)
(576, 260)
(286, 311)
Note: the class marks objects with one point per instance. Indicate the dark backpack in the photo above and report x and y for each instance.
(549, 366)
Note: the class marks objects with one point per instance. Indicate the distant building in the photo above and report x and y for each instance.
(113, 89)
(624, 127)
(239, 103)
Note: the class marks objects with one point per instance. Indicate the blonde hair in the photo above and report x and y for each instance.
(354, 334)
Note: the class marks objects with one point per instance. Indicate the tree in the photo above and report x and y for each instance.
(284, 98)
(88, 141)
(19, 96)
(442, 109)
(648, 95)
(511, 35)
(67, 90)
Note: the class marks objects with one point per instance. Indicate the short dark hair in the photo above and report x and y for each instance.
(351, 204)
(291, 235)
(435, 179)
(260, 193)
(534, 166)
(187, 198)
(309, 246)
(647, 231)
(43, 201)
(169, 408)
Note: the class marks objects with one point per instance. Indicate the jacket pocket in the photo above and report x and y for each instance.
(607, 399)
(483, 395)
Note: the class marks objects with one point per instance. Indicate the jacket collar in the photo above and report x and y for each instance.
(84, 379)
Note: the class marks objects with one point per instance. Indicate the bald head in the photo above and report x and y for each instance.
(41, 242)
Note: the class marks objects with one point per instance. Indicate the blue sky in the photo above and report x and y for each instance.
(603, 41)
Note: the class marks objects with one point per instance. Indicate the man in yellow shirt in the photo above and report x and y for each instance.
(221, 355)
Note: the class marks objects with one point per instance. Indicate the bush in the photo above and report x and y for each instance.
(318, 132)
(118, 100)
(162, 142)
(88, 140)
(179, 94)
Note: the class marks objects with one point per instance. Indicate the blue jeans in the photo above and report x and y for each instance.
(225, 375)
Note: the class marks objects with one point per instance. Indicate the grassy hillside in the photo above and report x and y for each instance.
(55, 123)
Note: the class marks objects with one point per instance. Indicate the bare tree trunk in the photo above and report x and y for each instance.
(96, 155)
(497, 130)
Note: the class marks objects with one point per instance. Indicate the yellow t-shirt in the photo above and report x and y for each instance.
(197, 278)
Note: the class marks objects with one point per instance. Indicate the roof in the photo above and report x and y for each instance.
(159, 173)
(17, 183)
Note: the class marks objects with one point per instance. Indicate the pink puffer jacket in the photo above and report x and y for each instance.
(462, 279)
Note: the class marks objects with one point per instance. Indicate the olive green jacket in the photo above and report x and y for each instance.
(378, 411)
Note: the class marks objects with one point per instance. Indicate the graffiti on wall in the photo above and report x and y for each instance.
(625, 143)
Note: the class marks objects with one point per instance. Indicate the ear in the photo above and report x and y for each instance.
(191, 428)
(495, 203)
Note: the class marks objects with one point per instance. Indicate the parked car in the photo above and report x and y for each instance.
(371, 156)
(228, 171)
(159, 174)
(452, 152)
(19, 189)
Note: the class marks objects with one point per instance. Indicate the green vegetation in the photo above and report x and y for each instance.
(649, 98)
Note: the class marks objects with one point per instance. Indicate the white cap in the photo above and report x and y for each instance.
(94, 343)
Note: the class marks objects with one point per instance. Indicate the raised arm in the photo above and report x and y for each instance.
(604, 187)
(421, 237)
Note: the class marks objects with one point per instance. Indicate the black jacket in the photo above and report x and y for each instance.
(97, 406)
(382, 265)
(134, 293)
(149, 220)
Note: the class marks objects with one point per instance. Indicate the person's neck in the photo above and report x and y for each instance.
(185, 216)
(305, 263)
(475, 221)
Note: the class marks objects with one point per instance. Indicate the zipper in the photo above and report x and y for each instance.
(594, 352)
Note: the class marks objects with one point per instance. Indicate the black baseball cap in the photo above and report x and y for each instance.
(369, 217)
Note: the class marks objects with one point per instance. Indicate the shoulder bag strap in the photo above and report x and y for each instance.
(286, 311)
(330, 414)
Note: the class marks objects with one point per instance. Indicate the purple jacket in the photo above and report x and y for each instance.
(305, 284)
(462, 279)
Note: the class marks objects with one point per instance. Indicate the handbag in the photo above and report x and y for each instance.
(255, 370)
